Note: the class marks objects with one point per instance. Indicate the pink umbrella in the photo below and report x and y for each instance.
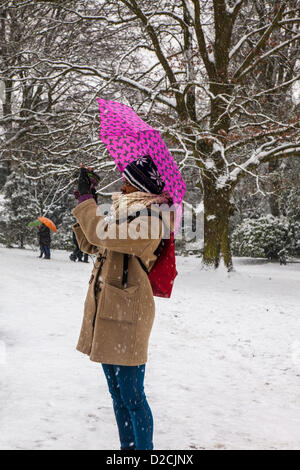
(128, 137)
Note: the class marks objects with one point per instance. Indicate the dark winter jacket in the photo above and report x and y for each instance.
(44, 235)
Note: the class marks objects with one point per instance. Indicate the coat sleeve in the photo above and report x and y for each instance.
(83, 244)
(101, 234)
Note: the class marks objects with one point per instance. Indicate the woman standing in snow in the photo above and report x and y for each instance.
(119, 308)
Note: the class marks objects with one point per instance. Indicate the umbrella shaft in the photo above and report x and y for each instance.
(100, 190)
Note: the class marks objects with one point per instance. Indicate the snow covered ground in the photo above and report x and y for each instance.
(223, 371)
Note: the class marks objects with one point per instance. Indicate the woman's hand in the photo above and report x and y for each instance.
(87, 182)
(84, 183)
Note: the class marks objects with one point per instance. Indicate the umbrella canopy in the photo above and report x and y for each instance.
(34, 223)
(48, 223)
(128, 137)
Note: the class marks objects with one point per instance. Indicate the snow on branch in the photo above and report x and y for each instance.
(260, 156)
(235, 8)
(267, 54)
(262, 41)
(207, 57)
(68, 67)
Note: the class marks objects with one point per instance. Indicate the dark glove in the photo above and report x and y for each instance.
(84, 183)
(87, 182)
(94, 179)
(95, 195)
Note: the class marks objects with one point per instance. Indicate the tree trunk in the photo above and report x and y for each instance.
(21, 240)
(216, 225)
(225, 245)
(275, 188)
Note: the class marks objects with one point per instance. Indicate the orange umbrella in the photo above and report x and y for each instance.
(48, 223)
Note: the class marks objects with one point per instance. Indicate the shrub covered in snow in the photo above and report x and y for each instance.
(290, 203)
(268, 237)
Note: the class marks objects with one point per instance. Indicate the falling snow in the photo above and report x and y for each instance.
(223, 370)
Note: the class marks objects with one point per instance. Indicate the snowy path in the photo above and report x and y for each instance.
(223, 371)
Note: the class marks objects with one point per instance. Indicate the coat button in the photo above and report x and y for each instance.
(97, 289)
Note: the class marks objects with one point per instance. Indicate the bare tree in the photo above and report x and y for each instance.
(212, 76)
(48, 118)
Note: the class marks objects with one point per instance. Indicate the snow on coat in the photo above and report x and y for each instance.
(117, 321)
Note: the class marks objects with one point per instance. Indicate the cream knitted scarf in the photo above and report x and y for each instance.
(127, 204)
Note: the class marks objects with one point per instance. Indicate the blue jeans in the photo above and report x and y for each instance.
(133, 414)
(45, 249)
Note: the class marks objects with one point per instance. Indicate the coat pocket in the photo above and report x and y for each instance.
(119, 304)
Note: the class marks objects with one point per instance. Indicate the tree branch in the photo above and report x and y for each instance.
(209, 64)
(267, 54)
(259, 156)
(261, 43)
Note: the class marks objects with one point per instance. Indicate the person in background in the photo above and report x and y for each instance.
(44, 241)
(77, 253)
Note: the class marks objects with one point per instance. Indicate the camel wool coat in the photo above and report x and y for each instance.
(117, 320)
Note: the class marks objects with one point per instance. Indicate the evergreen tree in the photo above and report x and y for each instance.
(3, 174)
(19, 210)
(63, 239)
